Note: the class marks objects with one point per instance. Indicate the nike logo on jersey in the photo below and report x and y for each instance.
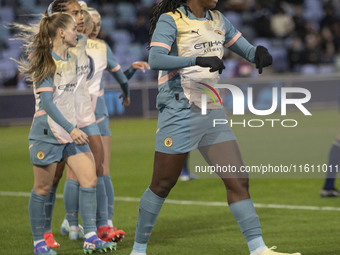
(195, 32)
(59, 74)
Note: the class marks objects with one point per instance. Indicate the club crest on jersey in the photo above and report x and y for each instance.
(40, 155)
(218, 32)
(168, 141)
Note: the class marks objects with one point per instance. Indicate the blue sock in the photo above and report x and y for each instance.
(87, 208)
(49, 205)
(101, 203)
(248, 221)
(334, 162)
(149, 207)
(110, 196)
(36, 214)
(71, 201)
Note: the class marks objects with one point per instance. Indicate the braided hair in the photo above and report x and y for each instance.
(162, 7)
(58, 6)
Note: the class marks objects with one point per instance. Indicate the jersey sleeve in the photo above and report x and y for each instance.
(231, 35)
(116, 71)
(45, 85)
(243, 48)
(129, 72)
(165, 32)
(237, 43)
(112, 62)
(45, 89)
(162, 40)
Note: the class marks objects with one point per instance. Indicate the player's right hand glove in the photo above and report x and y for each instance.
(215, 63)
(262, 58)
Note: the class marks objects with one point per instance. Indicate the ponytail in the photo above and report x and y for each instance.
(38, 47)
(42, 60)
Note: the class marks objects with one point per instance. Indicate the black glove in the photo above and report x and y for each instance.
(215, 63)
(262, 58)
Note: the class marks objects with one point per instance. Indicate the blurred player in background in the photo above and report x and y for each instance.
(53, 135)
(185, 173)
(187, 47)
(329, 189)
(105, 60)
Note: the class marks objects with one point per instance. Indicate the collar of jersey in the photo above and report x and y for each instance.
(56, 57)
(192, 16)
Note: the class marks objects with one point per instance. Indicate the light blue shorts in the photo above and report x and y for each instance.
(43, 154)
(182, 130)
(91, 129)
(74, 149)
(102, 116)
(104, 126)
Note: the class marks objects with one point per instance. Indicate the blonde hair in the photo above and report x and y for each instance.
(38, 47)
(93, 11)
(88, 22)
(83, 5)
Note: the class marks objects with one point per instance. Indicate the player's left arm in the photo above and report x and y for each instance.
(141, 65)
(116, 71)
(238, 44)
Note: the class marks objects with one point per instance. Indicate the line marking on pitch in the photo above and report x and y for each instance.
(197, 203)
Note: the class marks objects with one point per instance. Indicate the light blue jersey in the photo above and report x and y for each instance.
(103, 59)
(185, 38)
(62, 85)
(179, 38)
(85, 115)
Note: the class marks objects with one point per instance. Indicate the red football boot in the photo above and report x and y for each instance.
(49, 240)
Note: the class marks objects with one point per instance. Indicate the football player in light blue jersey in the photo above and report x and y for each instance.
(85, 112)
(187, 46)
(105, 60)
(86, 122)
(54, 136)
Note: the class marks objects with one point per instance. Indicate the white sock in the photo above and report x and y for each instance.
(110, 223)
(36, 242)
(259, 251)
(90, 234)
(74, 229)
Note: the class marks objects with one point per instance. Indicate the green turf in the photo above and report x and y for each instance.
(191, 229)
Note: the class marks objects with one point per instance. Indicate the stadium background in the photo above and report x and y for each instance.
(306, 51)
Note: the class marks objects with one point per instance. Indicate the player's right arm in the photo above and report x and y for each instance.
(238, 44)
(114, 68)
(45, 91)
(163, 38)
